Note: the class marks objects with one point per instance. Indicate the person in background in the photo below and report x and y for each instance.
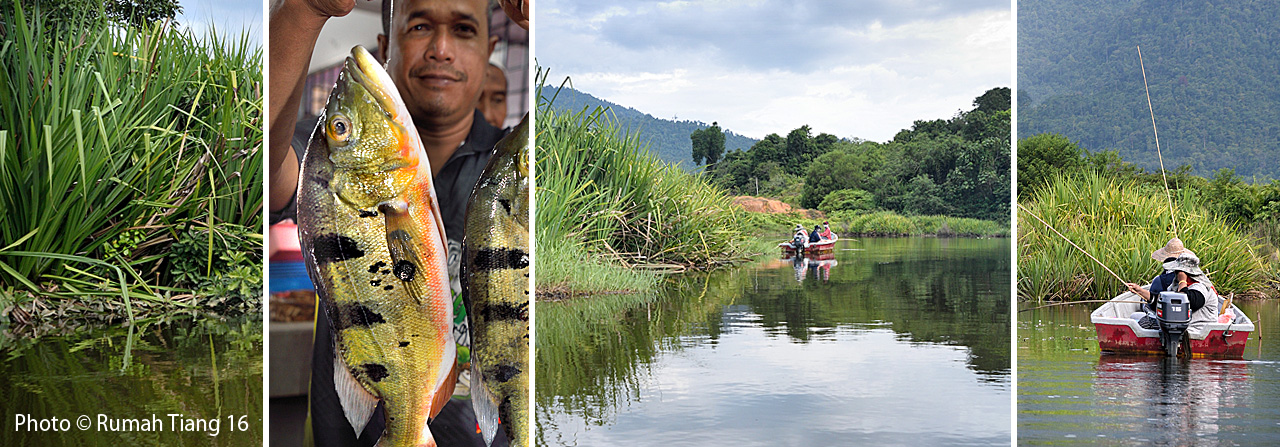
(826, 231)
(493, 98)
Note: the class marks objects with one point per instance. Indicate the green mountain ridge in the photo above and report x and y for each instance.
(1211, 67)
(668, 139)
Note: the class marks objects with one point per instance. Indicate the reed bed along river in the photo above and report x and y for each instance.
(1069, 393)
(894, 341)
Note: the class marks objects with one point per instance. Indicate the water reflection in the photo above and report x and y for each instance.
(889, 333)
(1067, 391)
(199, 367)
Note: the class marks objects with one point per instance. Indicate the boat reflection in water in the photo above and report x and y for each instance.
(1166, 400)
(818, 265)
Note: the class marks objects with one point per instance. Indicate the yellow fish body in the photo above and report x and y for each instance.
(370, 229)
(496, 270)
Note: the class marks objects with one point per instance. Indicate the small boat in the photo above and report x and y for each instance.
(822, 247)
(1118, 332)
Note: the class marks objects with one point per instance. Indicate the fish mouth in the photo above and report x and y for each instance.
(363, 69)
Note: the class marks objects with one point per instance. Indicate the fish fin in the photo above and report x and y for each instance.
(482, 403)
(357, 403)
(402, 240)
(444, 391)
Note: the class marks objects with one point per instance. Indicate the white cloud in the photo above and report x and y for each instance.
(867, 77)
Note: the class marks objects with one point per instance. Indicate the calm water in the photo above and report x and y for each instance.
(1070, 394)
(900, 342)
(200, 368)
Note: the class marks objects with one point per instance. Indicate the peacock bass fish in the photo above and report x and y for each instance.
(370, 230)
(496, 270)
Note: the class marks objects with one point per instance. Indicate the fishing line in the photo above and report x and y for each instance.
(1073, 244)
(1151, 109)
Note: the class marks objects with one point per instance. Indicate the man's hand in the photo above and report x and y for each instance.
(321, 8)
(1137, 289)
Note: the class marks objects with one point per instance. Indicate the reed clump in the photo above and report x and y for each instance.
(115, 142)
(603, 199)
(1121, 223)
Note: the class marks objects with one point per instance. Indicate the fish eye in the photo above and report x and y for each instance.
(339, 128)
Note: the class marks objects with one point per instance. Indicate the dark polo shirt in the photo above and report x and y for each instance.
(456, 424)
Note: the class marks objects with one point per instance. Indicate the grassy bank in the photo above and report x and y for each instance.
(609, 213)
(130, 169)
(880, 223)
(1121, 224)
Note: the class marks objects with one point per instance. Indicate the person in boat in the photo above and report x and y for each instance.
(800, 238)
(1182, 274)
(816, 235)
(826, 232)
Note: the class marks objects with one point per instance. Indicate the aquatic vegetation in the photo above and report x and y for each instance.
(1121, 224)
(114, 142)
(604, 199)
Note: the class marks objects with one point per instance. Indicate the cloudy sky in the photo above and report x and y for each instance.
(229, 17)
(855, 68)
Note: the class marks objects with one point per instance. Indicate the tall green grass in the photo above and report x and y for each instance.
(604, 199)
(113, 142)
(1121, 224)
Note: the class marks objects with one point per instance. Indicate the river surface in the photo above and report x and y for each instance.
(1068, 393)
(900, 341)
(200, 369)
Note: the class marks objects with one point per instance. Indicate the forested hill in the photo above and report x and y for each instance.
(668, 139)
(1212, 67)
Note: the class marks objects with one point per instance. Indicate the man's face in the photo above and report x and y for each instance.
(493, 99)
(438, 51)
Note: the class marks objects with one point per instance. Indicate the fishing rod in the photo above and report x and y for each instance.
(1151, 109)
(1073, 244)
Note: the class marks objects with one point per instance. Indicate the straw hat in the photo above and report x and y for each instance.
(1171, 250)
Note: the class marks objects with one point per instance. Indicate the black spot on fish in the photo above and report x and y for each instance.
(323, 182)
(504, 311)
(327, 248)
(374, 371)
(387, 287)
(366, 213)
(500, 259)
(377, 265)
(506, 205)
(404, 343)
(385, 272)
(375, 282)
(405, 270)
(503, 373)
(359, 315)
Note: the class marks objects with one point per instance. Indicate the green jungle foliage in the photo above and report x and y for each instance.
(115, 142)
(1120, 221)
(140, 13)
(1211, 68)
(956, 167)
(604, 199)
(668, 139)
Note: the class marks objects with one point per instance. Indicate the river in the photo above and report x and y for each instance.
(176, 380)
(896, 341)
(1069, 393)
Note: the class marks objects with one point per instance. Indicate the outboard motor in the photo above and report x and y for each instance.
(798, 241)
(1173, 311)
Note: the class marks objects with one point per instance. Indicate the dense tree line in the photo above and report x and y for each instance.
(1211, 68)
(958, 167)
(1044, 157)
(129, 12)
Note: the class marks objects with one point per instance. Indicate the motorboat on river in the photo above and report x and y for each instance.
(806, 248)
(1119, 332)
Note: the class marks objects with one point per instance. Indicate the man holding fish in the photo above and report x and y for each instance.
(436, 53)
